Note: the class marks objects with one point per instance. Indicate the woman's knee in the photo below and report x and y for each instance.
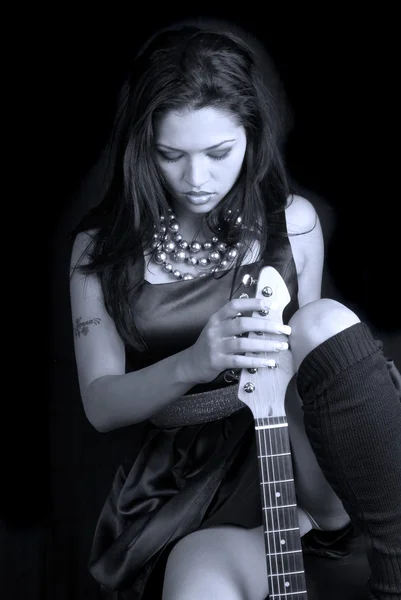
(316, 322)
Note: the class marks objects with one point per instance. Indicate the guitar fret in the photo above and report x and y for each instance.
(281, 530)
(278, 493)
(273, 468)
(280, 553)
(282, 563)
(278, 519)
(285, 594)
(270, 455)
(276, 481)
(283, 541)
(271, 426)
(279, 506)
(290, 584)
(287, 583)
(290, 573)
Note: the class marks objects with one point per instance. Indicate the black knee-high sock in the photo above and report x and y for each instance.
(352, 417)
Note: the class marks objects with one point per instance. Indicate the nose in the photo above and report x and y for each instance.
(196, 174)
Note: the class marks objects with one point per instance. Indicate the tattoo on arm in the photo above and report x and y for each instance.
(82, 327)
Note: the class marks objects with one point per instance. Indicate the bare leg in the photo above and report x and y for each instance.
(220, 563)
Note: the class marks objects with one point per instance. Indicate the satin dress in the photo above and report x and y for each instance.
(189, 477)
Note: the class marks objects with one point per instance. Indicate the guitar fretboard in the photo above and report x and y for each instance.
(279, 506)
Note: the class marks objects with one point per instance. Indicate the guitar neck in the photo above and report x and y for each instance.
(284, 556)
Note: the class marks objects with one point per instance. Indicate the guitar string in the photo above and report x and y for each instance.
(287, 473)
(268, 449)
(263, 449)
(282, 476)
(276, 434)
(273, 477)
(286, 465)
(259, 421)
(295, 557)
(290, 516)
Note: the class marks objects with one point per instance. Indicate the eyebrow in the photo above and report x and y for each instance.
(210, 147)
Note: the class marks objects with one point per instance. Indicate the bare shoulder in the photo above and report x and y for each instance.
(80, 249)
(301, 215)
(306, 239)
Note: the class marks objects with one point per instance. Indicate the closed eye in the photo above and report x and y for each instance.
(169, 159)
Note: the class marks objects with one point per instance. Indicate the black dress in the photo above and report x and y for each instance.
(184, 478)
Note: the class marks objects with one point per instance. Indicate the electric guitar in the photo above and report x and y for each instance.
(263, 391)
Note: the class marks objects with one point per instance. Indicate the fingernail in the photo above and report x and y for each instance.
(269, 363)
(284, 329)
(282, 346)
(266, 304)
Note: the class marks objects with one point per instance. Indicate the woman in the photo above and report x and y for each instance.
(198, 199)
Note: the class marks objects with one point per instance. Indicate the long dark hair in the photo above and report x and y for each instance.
(184, 67)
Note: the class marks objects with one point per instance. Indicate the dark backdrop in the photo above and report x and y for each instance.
(338, 69)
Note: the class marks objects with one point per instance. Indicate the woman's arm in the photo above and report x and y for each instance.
(112, 398)
(306, 238)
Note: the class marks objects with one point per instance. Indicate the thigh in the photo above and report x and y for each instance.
(218, 563)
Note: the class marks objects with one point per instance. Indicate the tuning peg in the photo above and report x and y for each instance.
(232, 375)
(248, 280)
(249, 387)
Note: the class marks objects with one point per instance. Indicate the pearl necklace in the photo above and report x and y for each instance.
(169, 245)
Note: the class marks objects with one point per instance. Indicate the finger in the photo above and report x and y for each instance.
(251, 362)
(243, 325)
(241, 305)
(241, 345)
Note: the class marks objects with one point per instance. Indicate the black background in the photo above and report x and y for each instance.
(339, 68)
(339, 71)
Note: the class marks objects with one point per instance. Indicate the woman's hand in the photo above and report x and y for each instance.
(220, 345)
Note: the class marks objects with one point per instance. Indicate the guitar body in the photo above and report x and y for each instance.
(289, 472)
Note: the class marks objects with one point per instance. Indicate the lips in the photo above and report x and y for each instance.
(199, 198)
(196, 194)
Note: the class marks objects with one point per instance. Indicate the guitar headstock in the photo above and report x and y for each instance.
(263, 390)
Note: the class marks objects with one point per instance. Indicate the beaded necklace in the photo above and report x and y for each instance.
(170, 247)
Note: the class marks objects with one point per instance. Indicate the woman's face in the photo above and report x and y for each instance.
(200, 153)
